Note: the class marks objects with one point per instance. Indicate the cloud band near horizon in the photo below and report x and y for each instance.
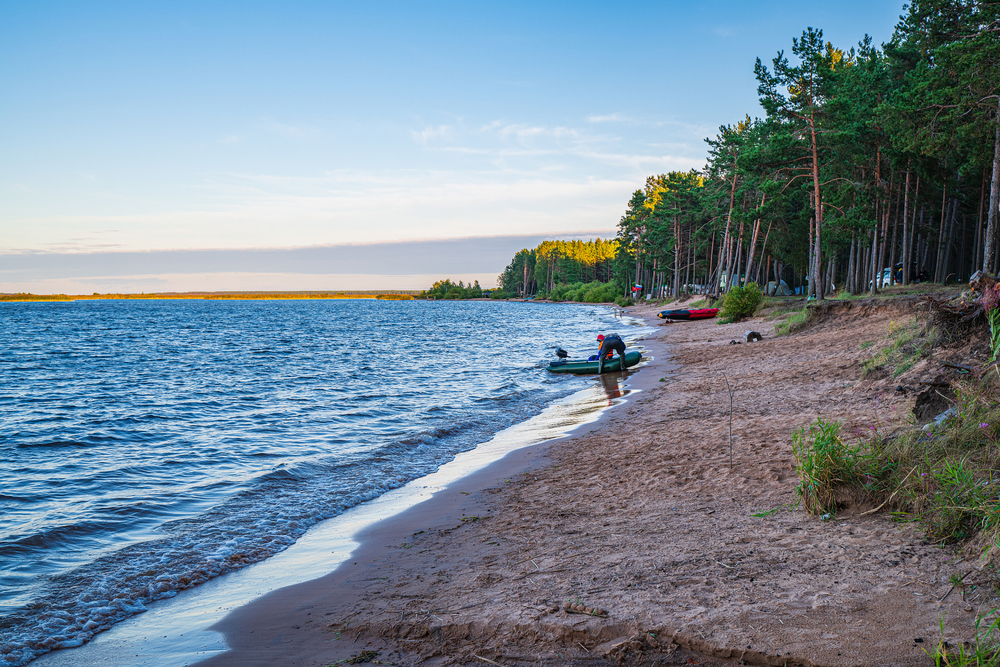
(393, 265)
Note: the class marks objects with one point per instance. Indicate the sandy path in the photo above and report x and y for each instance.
(645, 518)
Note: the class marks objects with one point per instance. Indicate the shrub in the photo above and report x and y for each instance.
(823, 460)
(594, 292)
(740, 303)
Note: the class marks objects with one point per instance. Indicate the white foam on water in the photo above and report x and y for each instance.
(171, 632)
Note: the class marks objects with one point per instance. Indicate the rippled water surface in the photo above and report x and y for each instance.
(147, 446)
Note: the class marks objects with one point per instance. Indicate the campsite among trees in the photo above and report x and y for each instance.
(865, 158)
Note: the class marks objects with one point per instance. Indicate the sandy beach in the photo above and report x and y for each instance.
(644, 515)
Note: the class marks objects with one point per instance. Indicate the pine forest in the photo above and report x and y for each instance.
(870, 166)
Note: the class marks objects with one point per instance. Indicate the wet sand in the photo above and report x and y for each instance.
(643, 515)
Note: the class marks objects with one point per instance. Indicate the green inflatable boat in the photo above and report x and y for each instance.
(590, 367)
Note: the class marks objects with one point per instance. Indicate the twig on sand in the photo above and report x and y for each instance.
(730, 420)
(544, 553)
(722, 564)
(893, 494)
(967, 573)
(479, 657)
(584, 647)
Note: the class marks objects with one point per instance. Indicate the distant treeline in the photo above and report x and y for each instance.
(213, 296)
(554, 263)
(445, 289)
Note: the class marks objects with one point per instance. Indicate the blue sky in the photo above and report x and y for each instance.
(167, 128)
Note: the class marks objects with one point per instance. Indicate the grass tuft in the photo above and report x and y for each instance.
(909, 343)
(823, 461)
(983, 652)
(794, 322)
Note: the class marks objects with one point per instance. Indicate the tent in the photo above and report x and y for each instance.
(778, 289)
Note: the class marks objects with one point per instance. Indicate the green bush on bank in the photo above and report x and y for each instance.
(445, 289)
(593, 292)
(740, 303)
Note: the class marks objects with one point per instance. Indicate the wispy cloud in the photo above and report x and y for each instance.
(561, 148)
(230, 139)
(610, 118)
(349, 206)
(287, 130)
(423, 137)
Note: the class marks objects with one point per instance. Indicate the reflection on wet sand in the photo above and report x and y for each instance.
(613, 385)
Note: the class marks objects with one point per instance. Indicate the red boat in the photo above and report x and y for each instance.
(688, 314)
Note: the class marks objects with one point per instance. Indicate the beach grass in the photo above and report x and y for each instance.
(793, 321)
(940, 476)
(984, 651)
(909, 342)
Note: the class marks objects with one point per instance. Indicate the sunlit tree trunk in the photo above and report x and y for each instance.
(818, 206)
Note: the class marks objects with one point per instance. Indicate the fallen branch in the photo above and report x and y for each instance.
(893, 493)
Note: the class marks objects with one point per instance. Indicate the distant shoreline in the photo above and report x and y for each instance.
(210, 296)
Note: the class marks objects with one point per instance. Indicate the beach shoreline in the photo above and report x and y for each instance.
(447, 511)
(698, 558)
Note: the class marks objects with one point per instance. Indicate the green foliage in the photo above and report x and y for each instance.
(983, 652)
(740, 303)
(554, 263)
(445, 289)
(939, 476)
(846, 132)
(943, 476)
(796, 321)
(909, 342)
(594, 292)
(991, 304)
(823, 461)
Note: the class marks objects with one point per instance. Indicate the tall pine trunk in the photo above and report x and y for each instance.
(818, 207)
(990, 246)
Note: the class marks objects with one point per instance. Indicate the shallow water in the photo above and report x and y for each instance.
(149, 446)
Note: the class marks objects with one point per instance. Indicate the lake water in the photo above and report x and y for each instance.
(148, 446)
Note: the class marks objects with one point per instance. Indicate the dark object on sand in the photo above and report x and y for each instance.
(591, 367)
(751, 336)
(364, 656)
(688, 314)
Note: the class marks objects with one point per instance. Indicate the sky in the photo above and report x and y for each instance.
(179, 146)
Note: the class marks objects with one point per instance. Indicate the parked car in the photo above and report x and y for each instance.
(885, 278)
